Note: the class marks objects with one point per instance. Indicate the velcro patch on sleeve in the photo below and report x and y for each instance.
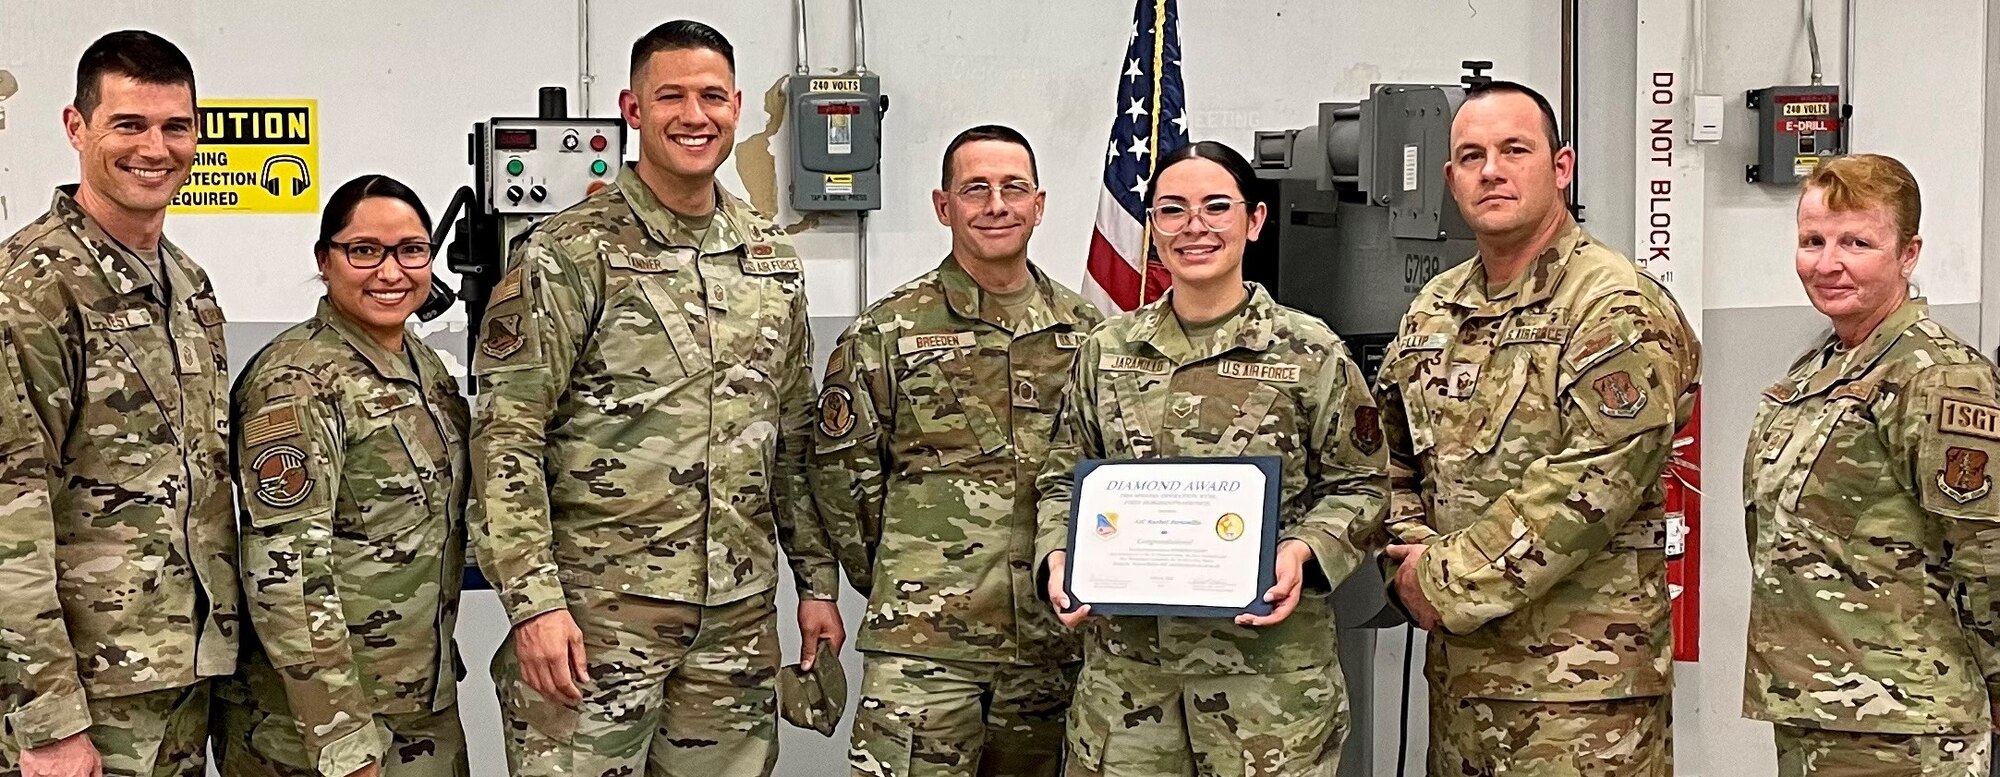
(275, 422)
(1962, 416)
(509, 288)
(284, 476)
(836, 412)
(1598, 345)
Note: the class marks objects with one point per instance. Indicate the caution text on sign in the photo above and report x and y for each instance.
(255, 156)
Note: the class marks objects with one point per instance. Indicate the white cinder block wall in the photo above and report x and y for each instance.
(400, 83)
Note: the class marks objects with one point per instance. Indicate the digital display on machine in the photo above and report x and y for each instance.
(514, 139)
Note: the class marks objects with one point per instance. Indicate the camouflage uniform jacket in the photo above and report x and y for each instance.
(351, 469)
(933, 424)
(117, 550)
(1875, 537)
(1528, 430)
(1272, 382)
(645, 409)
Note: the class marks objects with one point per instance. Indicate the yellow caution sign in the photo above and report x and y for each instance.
(255, 156)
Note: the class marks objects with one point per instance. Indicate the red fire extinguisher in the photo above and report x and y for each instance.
(1682, 483)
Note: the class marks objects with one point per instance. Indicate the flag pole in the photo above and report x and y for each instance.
(1159, 100)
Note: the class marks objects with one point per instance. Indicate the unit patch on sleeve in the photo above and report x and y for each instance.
(1620, 397)
(1367, 434)
(283, 479)
(503, 337)
(836, 411)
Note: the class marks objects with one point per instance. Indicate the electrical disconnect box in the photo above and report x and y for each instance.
(1797, 128)
(837, 142)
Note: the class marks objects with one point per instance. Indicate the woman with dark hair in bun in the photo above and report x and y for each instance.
(350, 464)
(1217, 368)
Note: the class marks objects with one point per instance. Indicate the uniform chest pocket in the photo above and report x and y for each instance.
(1407, 369)
(1771, 433)
(1817, 471)
(955, 427)
(640, 312)
(1499, 395)
(132, 370)
(761, 311)
(1259, 424)
(411, 455)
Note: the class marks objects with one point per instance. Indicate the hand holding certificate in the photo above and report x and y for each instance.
(1186, 537)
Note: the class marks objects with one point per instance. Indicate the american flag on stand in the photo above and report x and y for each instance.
(1123, 272)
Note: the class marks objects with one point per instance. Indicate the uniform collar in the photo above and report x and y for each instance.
(1254, 328)
(725, 233)
(390, 366)
(1536, 283)
(122, 270)
(1856, 361)
(967, 299)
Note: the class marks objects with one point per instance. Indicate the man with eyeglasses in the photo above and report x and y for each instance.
(933, 420)
(1530, 402)
(118, 587)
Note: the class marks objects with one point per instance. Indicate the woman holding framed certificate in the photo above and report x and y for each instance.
(1207, 400)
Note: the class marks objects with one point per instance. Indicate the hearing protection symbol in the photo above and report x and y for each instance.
(270, 178)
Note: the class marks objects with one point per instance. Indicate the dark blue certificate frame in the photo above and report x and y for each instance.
(1267, 575)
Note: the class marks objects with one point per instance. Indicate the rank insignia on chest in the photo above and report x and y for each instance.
(1461, 380)
(503, 337)
(1619, 396)
(1025, 394)
(1964, 477)
(282, 478)
(836, 411)
(187, 359)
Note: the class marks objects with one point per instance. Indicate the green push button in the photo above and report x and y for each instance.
(598, 167)
(514, 167)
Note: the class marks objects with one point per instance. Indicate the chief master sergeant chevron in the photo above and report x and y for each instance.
(644, 413)
(1530, 403)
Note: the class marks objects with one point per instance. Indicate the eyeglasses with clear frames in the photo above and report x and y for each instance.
(1013, 192)
(410, 254)
(1215, 214)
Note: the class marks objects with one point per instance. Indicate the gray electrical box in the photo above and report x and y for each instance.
(1797, 128)
(837, 142)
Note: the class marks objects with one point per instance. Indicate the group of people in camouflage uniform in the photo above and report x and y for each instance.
(648, 434)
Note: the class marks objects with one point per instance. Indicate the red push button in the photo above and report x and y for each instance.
(593, 188)
(597, 143)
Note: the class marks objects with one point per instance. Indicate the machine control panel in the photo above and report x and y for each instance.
(536, 167)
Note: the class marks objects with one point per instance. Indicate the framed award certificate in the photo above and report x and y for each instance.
(1192, 537)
